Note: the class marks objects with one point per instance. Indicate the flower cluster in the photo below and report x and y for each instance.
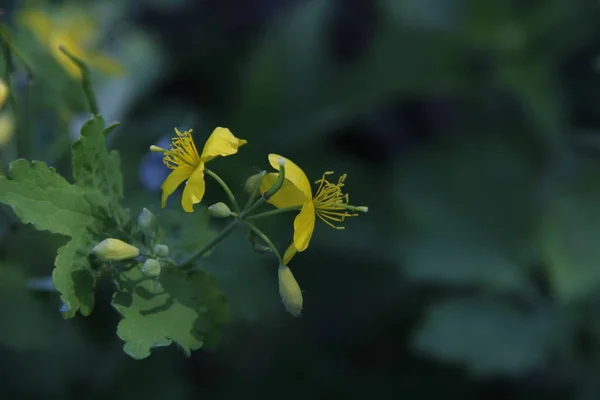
(287, 189)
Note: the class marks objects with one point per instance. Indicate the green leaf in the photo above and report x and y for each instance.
(40, 196)
(185, 308)
(489, 337)
(73, 276)
(94, 166)
(570, 234)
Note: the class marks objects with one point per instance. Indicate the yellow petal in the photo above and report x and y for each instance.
(174, 179)
(290, 252)
(221, 143)
(293, 173)
(304, 225)
(289, 195)
(194, 189)
(7, 128)
(3, 92)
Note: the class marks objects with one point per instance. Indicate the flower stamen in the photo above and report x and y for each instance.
(182, 151)
(330, 203)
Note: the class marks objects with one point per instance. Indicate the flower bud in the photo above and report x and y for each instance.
(219, 210)
(151, 267)
(161, 250)
(115, 250)
(252, 182)
(289, 291)
(146, 222)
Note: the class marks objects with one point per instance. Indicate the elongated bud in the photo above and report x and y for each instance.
(147, 222)
(219, 210)
(289, 291)
(252, 183)
(161, 250)
(115, 250)
(151, 267)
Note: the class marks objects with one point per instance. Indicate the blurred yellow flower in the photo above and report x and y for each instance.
(328, 203)
(75, 31)
(7, 120)
(187, 164)
(3, 93)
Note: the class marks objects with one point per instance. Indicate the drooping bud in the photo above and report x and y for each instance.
(151, 267)
(219, 210)
(147, 222)
(252, 183)
(161, 250)
(290, 292)
(115, 250)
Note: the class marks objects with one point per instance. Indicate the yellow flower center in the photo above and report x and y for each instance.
(330, 203)
(182, 151)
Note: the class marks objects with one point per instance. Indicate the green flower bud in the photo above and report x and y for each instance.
(115, 250)
(151, 267)
(161, 250)
(219, 210)
(146, 221)
(252, 182)
(289, 291)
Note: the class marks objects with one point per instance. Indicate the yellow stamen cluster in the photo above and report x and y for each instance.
(330, 203)
(182, 151)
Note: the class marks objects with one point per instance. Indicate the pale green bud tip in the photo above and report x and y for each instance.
(157, 149)
(252, 181)
(115, 250)
(146, 219)
(290, 292)
(219, 210)
(281, 161)
(161, 250)
(151, 267)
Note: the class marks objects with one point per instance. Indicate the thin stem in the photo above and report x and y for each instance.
(85, 80)
(272, 212)
(188, 264)
(13, 50)
(228, 191)
(265, 238)
(255, 190)
(269, 193)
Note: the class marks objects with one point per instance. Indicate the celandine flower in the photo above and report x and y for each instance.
(74, 30)
(329, 203)
(187, 164)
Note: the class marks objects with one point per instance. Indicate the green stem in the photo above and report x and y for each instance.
(85, 80)
(265, 238)
(255, 190)
(272, 212)
(269, 193)
(13, 50)
(189, 263)
(228, 191)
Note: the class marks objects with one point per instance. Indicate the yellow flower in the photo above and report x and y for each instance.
(187, 164)
(74, 30)
(328, 203)
(7, 120)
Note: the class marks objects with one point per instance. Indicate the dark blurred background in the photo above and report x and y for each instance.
(471, 130)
